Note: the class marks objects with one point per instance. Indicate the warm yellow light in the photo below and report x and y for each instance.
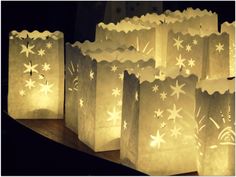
(36, 75)
(27, 49)
(157, 140)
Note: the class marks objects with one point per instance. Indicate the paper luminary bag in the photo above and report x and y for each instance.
(99, 97)
(157, 135)
(230, 29)
(206, 57)
(36, 75)
(215, 133)
(76, 69)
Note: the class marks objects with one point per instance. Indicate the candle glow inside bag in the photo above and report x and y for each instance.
(158, 123)
(215, 132)
(36, 75)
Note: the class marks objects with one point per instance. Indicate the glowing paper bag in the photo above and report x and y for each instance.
(99, 98)
(36, 75)
(215, 133)
(230, 29)
(218, 56)
(76, 70)
(157, 135)
(206, 57)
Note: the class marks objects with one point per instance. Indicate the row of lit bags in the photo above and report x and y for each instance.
(39, 59)
(153, 123)
(93, 94)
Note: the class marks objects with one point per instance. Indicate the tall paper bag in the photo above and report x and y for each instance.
(158, 124)
(36, 75)
(215, 133)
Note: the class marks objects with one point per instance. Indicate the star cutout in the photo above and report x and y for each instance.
(46, 88)
(91, 75)
(30, 68)
(178, 43)
(116, 92)
(163, 95)
(114, 115)
(191, 62)
(175, 132)
(177, 89)
(187, 71)
(188, 48)
(180, 61)
(157, 140)
(125, 125)
(41, 76)
(219, 47)
(136, 96)
(41, 52)
(46, 67)
(195, 42)
(174, 113)
(155, 88)
(22, 93)
(49, 45)
(29, 83)
(114, 68)
(121, 76)
(158, 113)
(163, 124)
(27, 49)
(81, 102)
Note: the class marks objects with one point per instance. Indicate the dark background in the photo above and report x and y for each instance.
(27, 153)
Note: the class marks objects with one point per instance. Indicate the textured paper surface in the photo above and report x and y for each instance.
(36, 75)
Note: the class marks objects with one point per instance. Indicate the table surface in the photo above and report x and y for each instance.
(58, 132)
